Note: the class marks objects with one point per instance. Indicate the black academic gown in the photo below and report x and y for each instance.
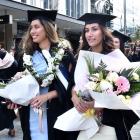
(6, 115)
(57, 106)
(63, 102)
(121, 120)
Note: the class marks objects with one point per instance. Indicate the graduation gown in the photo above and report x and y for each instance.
(56, 106)
(63, 102)
(121, 120)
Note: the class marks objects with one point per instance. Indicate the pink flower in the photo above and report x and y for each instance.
(122, 84)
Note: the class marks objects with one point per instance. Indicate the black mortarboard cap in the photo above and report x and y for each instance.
(124, 38)
(102, 19)
(49, 15)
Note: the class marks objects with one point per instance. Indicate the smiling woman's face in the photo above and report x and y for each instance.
(37, 31)
(93, 35)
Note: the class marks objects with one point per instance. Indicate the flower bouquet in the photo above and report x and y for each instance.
(20, 89)
(111, 73)
(118, 87)
(104, 77)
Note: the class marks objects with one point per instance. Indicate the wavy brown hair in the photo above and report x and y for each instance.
(107, 41)
(27, 43)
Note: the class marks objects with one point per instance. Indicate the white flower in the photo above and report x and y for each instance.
(58, 56)
(47, 81)
(94, 77)
(91, 85)
(44, 84)
(61, 51)
(27, 59)
(106, 86)
(53, 66)
(50, 77)
(112, 76)
(135, 76)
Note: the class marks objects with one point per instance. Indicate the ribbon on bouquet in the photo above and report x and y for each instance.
(40, 116)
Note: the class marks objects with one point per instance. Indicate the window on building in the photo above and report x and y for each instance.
(80, 8)
(51, 4)
(68, 7)
(24, 1)
(33, 2)
(74, 8)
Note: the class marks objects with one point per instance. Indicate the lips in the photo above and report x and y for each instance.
(34, 37)
(91, 40)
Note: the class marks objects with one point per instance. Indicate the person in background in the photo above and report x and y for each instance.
(79, 47)
(80, 42)
(119, 40)
(66, 43)
(115, 124)
(8, 68)
(12, 51)
(41, 42)
(134, 55)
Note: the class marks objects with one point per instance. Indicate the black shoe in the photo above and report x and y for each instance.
(11, 132)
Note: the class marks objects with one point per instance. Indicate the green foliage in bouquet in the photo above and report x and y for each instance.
(100, 69)
(2, 84)
(90, 65)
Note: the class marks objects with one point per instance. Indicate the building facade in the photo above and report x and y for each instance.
(68, 12)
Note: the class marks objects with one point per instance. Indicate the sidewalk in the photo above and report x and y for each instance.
(135, 132)
(4, 135)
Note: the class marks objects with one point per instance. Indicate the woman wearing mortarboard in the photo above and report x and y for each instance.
(115, 124)
(119, 40)
(52, 65)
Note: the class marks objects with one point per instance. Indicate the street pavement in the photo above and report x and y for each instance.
(135, 132)
(4, 133)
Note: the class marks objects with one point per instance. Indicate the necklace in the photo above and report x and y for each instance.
(53, 65)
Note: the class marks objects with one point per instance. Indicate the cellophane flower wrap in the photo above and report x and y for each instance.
(112, 80)
(125, 83)
(20, 89)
